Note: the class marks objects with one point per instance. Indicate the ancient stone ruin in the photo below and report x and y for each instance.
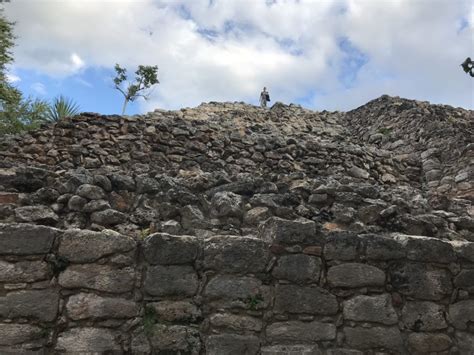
(231, 229)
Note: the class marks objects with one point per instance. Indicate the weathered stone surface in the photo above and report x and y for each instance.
(226, 204)
(276, 230)
(295, 331)
(290, 350)
(233, 254)
(375, 337)
(465, 342)
(90, 192)
(37, 214)
(26, 239)
(235, 322)
(87, 340)
(98, 277)
(175, 339)
(232, 344)
(83, 246)
(23, 271)
(382, 248)
(256, 215)
(91, 306)
(344, 352)
(311, 300)
(298, 268)
(423, 316)
(176, 311)
(108, 217)
(426, 249)
(377, 309)
(165, 249)
(176, 280)
(465, 280)
(341, 246)
(421, 281)
(13, 334)
(39, 304)
(355, 275)
(228, 291)
(76, 203)
(428, 342)
(461, 313)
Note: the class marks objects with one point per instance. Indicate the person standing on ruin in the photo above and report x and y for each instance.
(264, 97)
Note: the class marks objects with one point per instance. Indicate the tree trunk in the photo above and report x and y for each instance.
(124, 106)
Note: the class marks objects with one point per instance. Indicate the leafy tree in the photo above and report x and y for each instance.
(61, 107)
(8, 94)
(468, 66)
(146, 77)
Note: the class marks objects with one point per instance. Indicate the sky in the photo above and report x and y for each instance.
(321, 54)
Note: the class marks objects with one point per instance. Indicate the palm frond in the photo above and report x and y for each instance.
(62, 107)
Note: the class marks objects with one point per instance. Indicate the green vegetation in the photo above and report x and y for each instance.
(146, 77)
(17, 113)
(149, 320)
(253, 301)
(385, 131)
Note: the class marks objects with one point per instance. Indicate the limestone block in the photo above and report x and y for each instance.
(235, 322)
(23, 271)
(38, 214)
(165, 249)
(420, 281)
(175, 339)
(91, 306)
(298, 268)
(108, 217)
(276, 230)
(98, 277)
(85, 246)
(377, 309)
(87, 340)
(341, 246)
(428, 342)
(423, 316)
(461, 313)
(295, 331)
(375, 337)
(298, 299)
(302, 349)
(465, 280)
(14, 334)
(175, 280)
(176, 311)
(39, 304)
(90, 192)
(232, 344)
(26, 239)
(233, 254)
(355, 275)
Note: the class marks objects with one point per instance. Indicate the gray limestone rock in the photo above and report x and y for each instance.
(26, 239)
(226, 204)
(423, 316)
(165, 249)
(175, 339)
(426, 343)
(276, 230)
(88, 340)
(375, 337)
(37, 304)
(90, 192)
(108, 217)
(175, 280)
(13, 334)
(38, 214)
(90, 306)
(298, 268)
(311, 300)
(461, 313)
(176, 311)
(377, 309)
(295, 331)
(232, 344)
(23, 271)
(354, 275)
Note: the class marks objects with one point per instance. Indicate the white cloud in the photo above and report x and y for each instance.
(229, 49)
(39, 88)
(12, 78)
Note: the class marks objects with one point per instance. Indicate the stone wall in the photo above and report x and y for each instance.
(292, 289)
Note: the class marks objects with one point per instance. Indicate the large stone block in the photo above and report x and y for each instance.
(311, 300)
(39, 304)
(300, 349)
(232, 344)
(176, 311)
(235, 322)
(298, 268)
(85, 246)
(233, 254)
(26, 239)
(98, 277)
(175, 339)
(377, 309)
(426, 249)
(91, 306)
(175, 280)
(354, 275)
(92, 340)
(421, 281)
(465, 342)
(15, 334)
(461, 313)
(465, 280)
(108, 217)
(300, 332)
(341, 246)
(165, 249)
(378, 247)
(375, 337)
(37, 214)
(423, 316)
(426, 343)
(229, 291)
(23, 271)
(276, 230)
